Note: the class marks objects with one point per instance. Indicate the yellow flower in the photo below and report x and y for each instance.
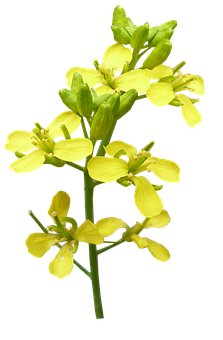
(39, 243)
(113, 60)
(164, 91)
(107, 169)
(42, 140)
(108, 226)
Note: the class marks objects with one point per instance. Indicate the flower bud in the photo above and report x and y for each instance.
(159, 54)
(121, 36)
(139, 36)
(69, 99)
(114, 101)
(84, 101)
(77, 81)
(152, 32)
(119, 17)
(169, 24)
(129, 23)
(102, 122)
(126, 102)
(97, 101)
(162, 35)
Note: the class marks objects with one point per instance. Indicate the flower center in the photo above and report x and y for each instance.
(42, 139)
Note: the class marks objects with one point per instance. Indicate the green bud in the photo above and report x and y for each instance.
(139, 36)
(119, 17)
(93, 93)
(164, 34)
(53, 161)
(169, 24)
(69, 98)
(125, 67)
(130, 30)
(102, 122)
(84, 101)
(131, 231)
(126, 102)
(129, 23)
(159, 54)
(114, 101)
(121, 36)
(77, 81)
(152, 33)
(99, 100)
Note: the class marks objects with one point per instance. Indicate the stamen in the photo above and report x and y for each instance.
(138, 223)
(30, 212)
(130, 175)
(54, 242)
(51, 155)
(54, 214)
(135, 158)
(63, 239)
(148, 169)
(73, 241)
(34, 143)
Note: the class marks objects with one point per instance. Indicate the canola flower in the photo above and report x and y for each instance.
(113, 60)
(166, 90)
(46, 150)
(39, 243)
(108, 169)
(108, 226)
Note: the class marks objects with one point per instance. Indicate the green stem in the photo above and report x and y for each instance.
(76, 166)
(141, 97)
(109, 247)
(84, 128)
(134, 60)
(89, 188)
(82, 268)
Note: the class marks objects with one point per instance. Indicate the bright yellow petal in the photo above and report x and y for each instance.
(115, 56)
(30, 162)
(197, 86)
(88, 233)
(191, 115)
(38, 243)
(158, 221)
(160, 71)
(103, 89)
(160, 93)
(146, 198)
(90, 76)
(112, 148)
(69, 118)
(73, 150)
(20, 141)
(62, 264)
(107, 169)
(135, 79)
(107, 226)
(60, 203)
(166, 170)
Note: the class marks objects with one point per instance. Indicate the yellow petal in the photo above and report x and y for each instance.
(90, 76)
(146, 198)
(103, 89)
(20, 141)
(69, 118)
(135, 79)
(166, 170)
(107, 169)
(88, 233)
(60, 203)
(158, 221)
(197, 86)
(160, 93)
(112, 148)
(160, 71)
(73, 150)
(107, 226)
(115, 56)
(38, 243)
(30, 162)
(62, 264)
(191, 115)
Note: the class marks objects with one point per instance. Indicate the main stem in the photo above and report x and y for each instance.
(89, 211)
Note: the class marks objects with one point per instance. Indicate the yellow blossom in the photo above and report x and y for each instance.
(113, 60)
(108, 169)
(165, 91)
(39, 243)
(42, 140)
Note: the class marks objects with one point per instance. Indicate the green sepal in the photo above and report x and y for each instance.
(119, 17)
(102, 122)
(167, 79)
(157, 187)
(84, 101)
(19, 154)
(139, 36)
(70, 220)
(169, 24)
(158, 55)
(164, 34)
(77, 81)
(93, 94)
(126, 102)
(121, 36)
(69, 98)
(176, 102)
(114, 101)
(97, 101)
(123, 182)
(152, 32)
(54, 161)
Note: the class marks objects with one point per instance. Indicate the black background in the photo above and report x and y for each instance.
(131, 279)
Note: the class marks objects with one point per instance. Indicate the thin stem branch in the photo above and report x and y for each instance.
(84, 128)
(100, 251)
(78, 167)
